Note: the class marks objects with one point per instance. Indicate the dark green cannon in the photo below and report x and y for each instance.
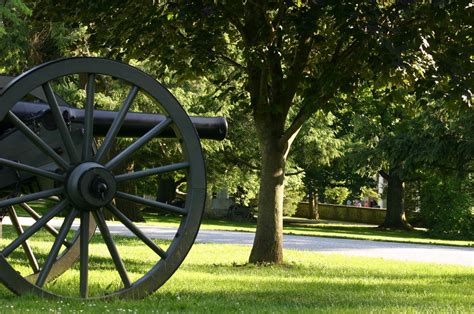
(69, 130)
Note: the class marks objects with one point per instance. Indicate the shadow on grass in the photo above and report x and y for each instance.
(291, 288)
(212, 280)
(300, 287)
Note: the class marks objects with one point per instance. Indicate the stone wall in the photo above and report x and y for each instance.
(347, 213)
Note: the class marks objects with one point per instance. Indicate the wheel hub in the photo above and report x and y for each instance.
(91, 186)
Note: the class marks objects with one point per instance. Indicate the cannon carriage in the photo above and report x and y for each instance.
(59, 125)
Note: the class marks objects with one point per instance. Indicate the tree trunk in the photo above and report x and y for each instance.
(395, 217)
(313, 205)
(130, 209)
(268, 243)
(166, 192)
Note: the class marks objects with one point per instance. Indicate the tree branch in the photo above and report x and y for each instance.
(279, 15)
(384, 174)
(303, 115)
(210, 51)
(309, 108)
(294, 173)
(295, 75)
(228, 59)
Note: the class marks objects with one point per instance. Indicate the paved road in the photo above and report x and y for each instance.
(378, 249)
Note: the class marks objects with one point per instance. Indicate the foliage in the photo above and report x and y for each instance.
(446, 207)
(14, 30)
(368, 193)
(235, 167)
(318, 151)
(319, 143)
(393, 135)
(336, 195)
(441, 150)
(412, 201)
(26, 42)
(294, 193)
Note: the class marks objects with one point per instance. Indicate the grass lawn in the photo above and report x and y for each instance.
(216, 279)
(321, 229)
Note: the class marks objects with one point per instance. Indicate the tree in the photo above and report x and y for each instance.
(315, 151)
(381, 145)
(390, 106)
(278, 49)
(445, 146)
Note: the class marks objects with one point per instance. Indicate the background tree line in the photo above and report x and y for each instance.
(319, 95)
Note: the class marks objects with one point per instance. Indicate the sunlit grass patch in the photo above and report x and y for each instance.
(217, 279)
(103, 276)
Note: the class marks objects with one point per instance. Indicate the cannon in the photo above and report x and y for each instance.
(67, 128)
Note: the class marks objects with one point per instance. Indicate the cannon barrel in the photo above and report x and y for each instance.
(135, 124)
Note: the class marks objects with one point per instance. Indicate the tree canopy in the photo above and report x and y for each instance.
(280, 62)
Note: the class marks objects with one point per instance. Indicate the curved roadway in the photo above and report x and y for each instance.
(389, 250)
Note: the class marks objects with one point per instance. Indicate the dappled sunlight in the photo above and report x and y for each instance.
(329, 283)
(217, 278)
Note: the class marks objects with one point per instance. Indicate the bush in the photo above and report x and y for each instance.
(446, 208)
(336, 195)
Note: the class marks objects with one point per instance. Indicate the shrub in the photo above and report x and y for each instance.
(446, 208)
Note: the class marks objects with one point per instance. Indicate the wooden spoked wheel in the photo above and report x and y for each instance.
(87, 184)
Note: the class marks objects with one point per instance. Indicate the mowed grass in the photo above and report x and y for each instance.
(216, 279)
(321, 229)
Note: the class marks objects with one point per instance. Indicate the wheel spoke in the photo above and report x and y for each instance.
(115, 127)
(26, 246)
(30, 169)
(155, 204)
(48, 264)
(34, 228)
(137, 144)
(84, 255)
(131, 226)
(89, 118)
(152, 171)
(105, 232)
(37, 141)
(60, 123)
(47, 226)
(31, 197)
